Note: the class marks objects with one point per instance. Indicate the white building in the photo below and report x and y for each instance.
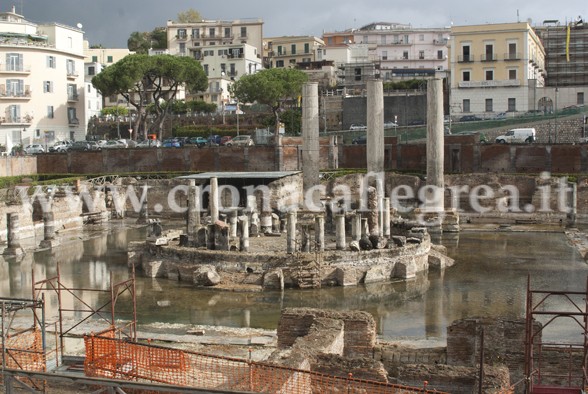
(41, 82)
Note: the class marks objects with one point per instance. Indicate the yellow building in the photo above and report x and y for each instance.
(287, 51)
(495, 68)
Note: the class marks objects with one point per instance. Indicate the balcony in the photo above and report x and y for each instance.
(512, 56)
(490, 84)
(14, 69)
(73, 97)
(16, 120)
(72, 74)
(15, 94)
(465, 58)
(73, 121)
(488, 57)
(181, 37)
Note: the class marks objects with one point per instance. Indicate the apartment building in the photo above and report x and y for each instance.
(404, 51)
(288, 51)
(495, 68)
(41, 82)
(226, 49)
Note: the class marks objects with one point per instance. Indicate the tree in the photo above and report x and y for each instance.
(271, 87)
(139, 42)
(189, 16)
(143, 79)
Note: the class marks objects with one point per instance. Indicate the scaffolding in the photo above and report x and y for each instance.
(543, 371)
(566, 62)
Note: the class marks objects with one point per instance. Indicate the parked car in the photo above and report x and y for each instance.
(171, 143)
(80, 146)
(500, 116)
(113, 144)
(198, 141)
(34, 149)
(59, 146)
(469, 118)
(241, 140)
(361, 140)
(94, 145)
(149, 144)
(390, 125)
(225, 139)
(214, 139)
(358, 127)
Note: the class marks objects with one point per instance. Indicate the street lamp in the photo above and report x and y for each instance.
(237, 111)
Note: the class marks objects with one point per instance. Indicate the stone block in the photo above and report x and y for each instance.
(377, 273)
(399, 240)
(206, 275)
(274, 279)
(346, 276)
(378, 242)
(354, 246)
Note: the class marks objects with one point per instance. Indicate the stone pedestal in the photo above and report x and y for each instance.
(49, 240)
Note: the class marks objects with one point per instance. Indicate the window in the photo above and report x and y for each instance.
(14, 62)
(489, 105)
(396, 39)
(109, 59)
(14, 113)
(357, 72)
(307, 48)
(51, 61)
(223, 67)
(421, 37)
(38, 133)
(405, 55)
(48, 87)
(512, 74)
(195, 33)
(72, 92)
(50, 113)
(383, 40)
(512, 51)
(293, 49)
(94, 59)
(489, 75)
(365, 39)
(466, 105)
(489, 54)
(384, 55)
(465, 76)
(279, 63)
(211, 32)
(465, 53)
(205, 66)
(89, 88)
(71, 67)
(512, 104)
(440, 55)
(280, 50)
(405, 38)
(182, 48)
(182, 34)
(72, 115)
(14, 87)
(580, 98)
(421, 55)
(243, 32)
(227, 32)
(91, 70)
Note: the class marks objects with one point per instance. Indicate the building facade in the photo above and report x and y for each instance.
(226, 49)
(288, 51)
(42, 85)
(495, 68)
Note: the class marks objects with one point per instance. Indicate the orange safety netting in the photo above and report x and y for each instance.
(116, 359)
(25, 351)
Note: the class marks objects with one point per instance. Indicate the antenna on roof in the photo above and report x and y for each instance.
(518, 20)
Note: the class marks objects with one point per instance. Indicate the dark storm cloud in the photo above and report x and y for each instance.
(110, 22)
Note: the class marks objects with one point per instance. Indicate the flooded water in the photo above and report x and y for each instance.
(489, 279)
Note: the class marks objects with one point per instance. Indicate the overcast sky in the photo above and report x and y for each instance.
(110, 22)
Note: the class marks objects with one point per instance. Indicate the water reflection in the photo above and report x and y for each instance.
(489, 279)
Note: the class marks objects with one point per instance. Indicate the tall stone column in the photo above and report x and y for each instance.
(291, 232)
(340, 231)
(310, 142)
(356, 227)
(193, 208)
(305, 242)
(319, 232)
(373, 211)
(213, 200)
(375, 126)
(13, 237)
(244, 240)
(435, 146)
(144, 213)
(233, 219)
(386, 217)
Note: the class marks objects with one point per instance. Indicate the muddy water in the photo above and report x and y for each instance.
(488, 279)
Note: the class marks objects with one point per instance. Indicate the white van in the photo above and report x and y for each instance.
(517, 135)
